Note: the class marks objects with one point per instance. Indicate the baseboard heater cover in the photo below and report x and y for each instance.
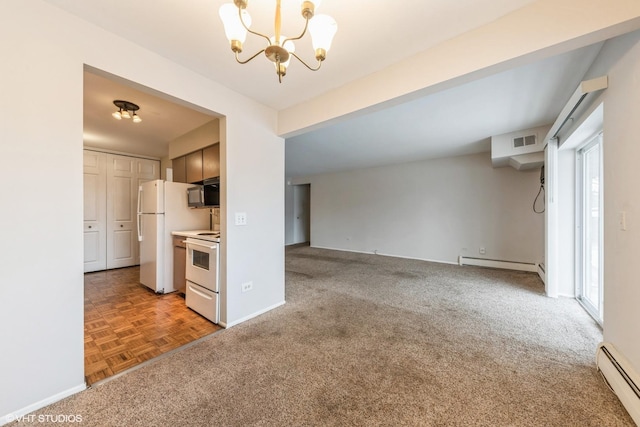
(620, 377)
(508, 265)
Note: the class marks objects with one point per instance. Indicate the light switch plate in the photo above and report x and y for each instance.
(622, 220)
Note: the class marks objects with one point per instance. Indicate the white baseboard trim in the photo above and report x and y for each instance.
(542, 273)
(480, 262)
(299, 243)
(384, 254)
(566, 296)
(20, 413)
(251, 316)
(508, 265)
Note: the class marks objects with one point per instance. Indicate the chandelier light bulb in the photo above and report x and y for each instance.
(116, 115)
(126, 114)
(136, 118)
(233, 28)
(322, 28)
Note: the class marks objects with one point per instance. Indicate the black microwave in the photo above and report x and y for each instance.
(205, 195)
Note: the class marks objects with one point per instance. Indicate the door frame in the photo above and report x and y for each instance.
(581, 222)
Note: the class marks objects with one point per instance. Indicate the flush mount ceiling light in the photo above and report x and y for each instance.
(126, 110)
(279, 49)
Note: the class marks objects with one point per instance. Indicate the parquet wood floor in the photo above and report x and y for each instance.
(126, 323)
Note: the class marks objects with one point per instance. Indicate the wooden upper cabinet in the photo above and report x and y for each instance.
(194, 167)
(211, 161)
(197, 166)
(179, 166)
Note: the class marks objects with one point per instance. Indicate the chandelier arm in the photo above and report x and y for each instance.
(305, 64)
(304, 31)
(244, 62)
(251, 31)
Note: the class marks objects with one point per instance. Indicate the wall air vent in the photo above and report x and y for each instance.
(521, 149)
(524, 141)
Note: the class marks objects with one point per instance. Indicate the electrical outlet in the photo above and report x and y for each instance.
(246, 287)
(483, 251)
(241, 218)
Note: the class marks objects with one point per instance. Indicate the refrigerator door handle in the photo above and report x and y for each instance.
(139, 199)
(139, 227)
(139, 219)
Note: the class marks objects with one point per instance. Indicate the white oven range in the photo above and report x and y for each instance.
(203, 290)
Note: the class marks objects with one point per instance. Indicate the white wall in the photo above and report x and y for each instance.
(620, 60)
(41, 279)
(253, 164)
(434, 210)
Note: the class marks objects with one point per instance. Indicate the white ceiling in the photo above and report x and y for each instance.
(452, 122)
(371, 36)
(162, 120)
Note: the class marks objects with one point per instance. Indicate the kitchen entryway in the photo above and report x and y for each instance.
(127, 324)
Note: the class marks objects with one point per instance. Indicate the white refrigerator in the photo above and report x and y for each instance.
(162, 208)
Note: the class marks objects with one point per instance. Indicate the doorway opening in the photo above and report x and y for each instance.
(126, 323)
(302, 213)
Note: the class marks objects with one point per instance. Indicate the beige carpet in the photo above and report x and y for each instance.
(366, 340)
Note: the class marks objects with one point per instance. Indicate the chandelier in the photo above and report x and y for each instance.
(126, 110)
(279, 49)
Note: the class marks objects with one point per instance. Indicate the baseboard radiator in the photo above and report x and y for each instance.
(621, 378)
(508, 265)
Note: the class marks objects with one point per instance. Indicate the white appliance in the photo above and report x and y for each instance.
(162, 208)
(203, 289)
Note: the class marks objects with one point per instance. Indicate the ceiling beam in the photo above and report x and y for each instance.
(539, 30)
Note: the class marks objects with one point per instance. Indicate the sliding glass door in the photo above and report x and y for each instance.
(590, 241)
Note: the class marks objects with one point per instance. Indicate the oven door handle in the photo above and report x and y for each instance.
(203, 295)
(191, 242)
